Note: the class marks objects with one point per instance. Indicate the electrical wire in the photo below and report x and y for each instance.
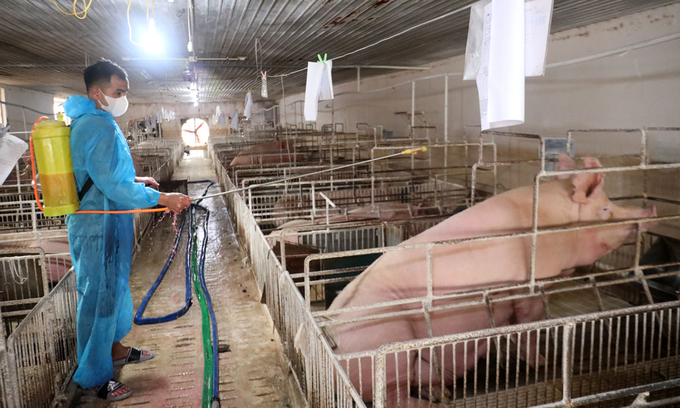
(81, 15)
(450, 13)
(258, 50)
(130, 25)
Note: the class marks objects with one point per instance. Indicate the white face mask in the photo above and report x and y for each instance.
(117, 106)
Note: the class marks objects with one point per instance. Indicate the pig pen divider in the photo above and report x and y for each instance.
(279, 315)
(576, 378)
(39, 305)
(636, 269)
(41, 351)
(484, 293)
(319, 374)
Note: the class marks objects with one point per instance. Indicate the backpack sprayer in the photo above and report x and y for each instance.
(50, 146)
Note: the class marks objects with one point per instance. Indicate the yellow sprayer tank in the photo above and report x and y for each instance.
(53, 154)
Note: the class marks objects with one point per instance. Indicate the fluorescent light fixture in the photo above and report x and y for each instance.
(152, 42)
(190, 46)
(196, 103)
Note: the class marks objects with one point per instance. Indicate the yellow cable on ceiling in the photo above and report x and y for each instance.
(81, 15)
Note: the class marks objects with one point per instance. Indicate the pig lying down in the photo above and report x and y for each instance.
(278, 151)
(55, 268)
(383, 212)
(403, 274)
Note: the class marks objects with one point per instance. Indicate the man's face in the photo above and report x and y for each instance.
(117, 88)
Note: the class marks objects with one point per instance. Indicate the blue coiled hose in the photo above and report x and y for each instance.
(139, 320)
(215, 400)
(187, 298)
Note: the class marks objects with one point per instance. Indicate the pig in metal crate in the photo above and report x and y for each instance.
(609, 335)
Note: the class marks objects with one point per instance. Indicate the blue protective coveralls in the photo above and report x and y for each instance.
(101, 244)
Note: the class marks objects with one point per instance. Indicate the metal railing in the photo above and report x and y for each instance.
(41, 352)
(39, 316)
(556, 339)
(318, 372)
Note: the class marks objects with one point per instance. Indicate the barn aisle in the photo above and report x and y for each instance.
(253, 372)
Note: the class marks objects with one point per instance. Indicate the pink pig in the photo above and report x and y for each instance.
(402, 274)
(266, 153)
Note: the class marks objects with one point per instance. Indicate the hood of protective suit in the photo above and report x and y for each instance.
(77, 106)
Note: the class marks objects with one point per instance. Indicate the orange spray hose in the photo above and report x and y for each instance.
(35, 186)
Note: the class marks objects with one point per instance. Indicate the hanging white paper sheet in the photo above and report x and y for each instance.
(249, 105)
(483, 69)
(11, 150)
(538, 14)
(234, 120)
(319, 87)
(473, 48)
(506, 65)
(537, 17)
(263, 90)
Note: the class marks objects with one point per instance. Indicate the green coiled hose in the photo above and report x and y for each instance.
(207, 345)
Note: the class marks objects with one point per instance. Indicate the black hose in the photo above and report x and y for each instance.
(187, 301)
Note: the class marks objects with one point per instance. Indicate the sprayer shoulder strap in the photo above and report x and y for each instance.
(86, 187)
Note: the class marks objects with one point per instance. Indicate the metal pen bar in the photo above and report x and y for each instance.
(407, 151)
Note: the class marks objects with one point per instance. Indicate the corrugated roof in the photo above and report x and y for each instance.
(54, 48)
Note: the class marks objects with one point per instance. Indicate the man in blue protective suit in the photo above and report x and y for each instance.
(101, 244)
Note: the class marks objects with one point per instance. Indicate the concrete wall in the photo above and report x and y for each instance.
(39, 101)
(630, 90)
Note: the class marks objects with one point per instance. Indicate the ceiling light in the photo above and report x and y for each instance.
(241, 58)
(196, 103)
(152, 42)
(190, 46)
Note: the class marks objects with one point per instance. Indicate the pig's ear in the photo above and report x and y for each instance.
(585, 184)
(565, 163)
(591, 163)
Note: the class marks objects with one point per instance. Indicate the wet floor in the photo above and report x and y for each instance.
(253, 371)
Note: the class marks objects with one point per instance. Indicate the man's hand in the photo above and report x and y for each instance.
(148, 181)
(176, 202)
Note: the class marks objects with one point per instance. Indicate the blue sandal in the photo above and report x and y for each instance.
(135, 355)
(106, 390)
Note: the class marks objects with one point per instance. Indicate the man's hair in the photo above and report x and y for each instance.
(101, 72)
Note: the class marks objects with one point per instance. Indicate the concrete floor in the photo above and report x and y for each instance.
(254, 372)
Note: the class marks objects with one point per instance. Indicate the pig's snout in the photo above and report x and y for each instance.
(640, 213)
